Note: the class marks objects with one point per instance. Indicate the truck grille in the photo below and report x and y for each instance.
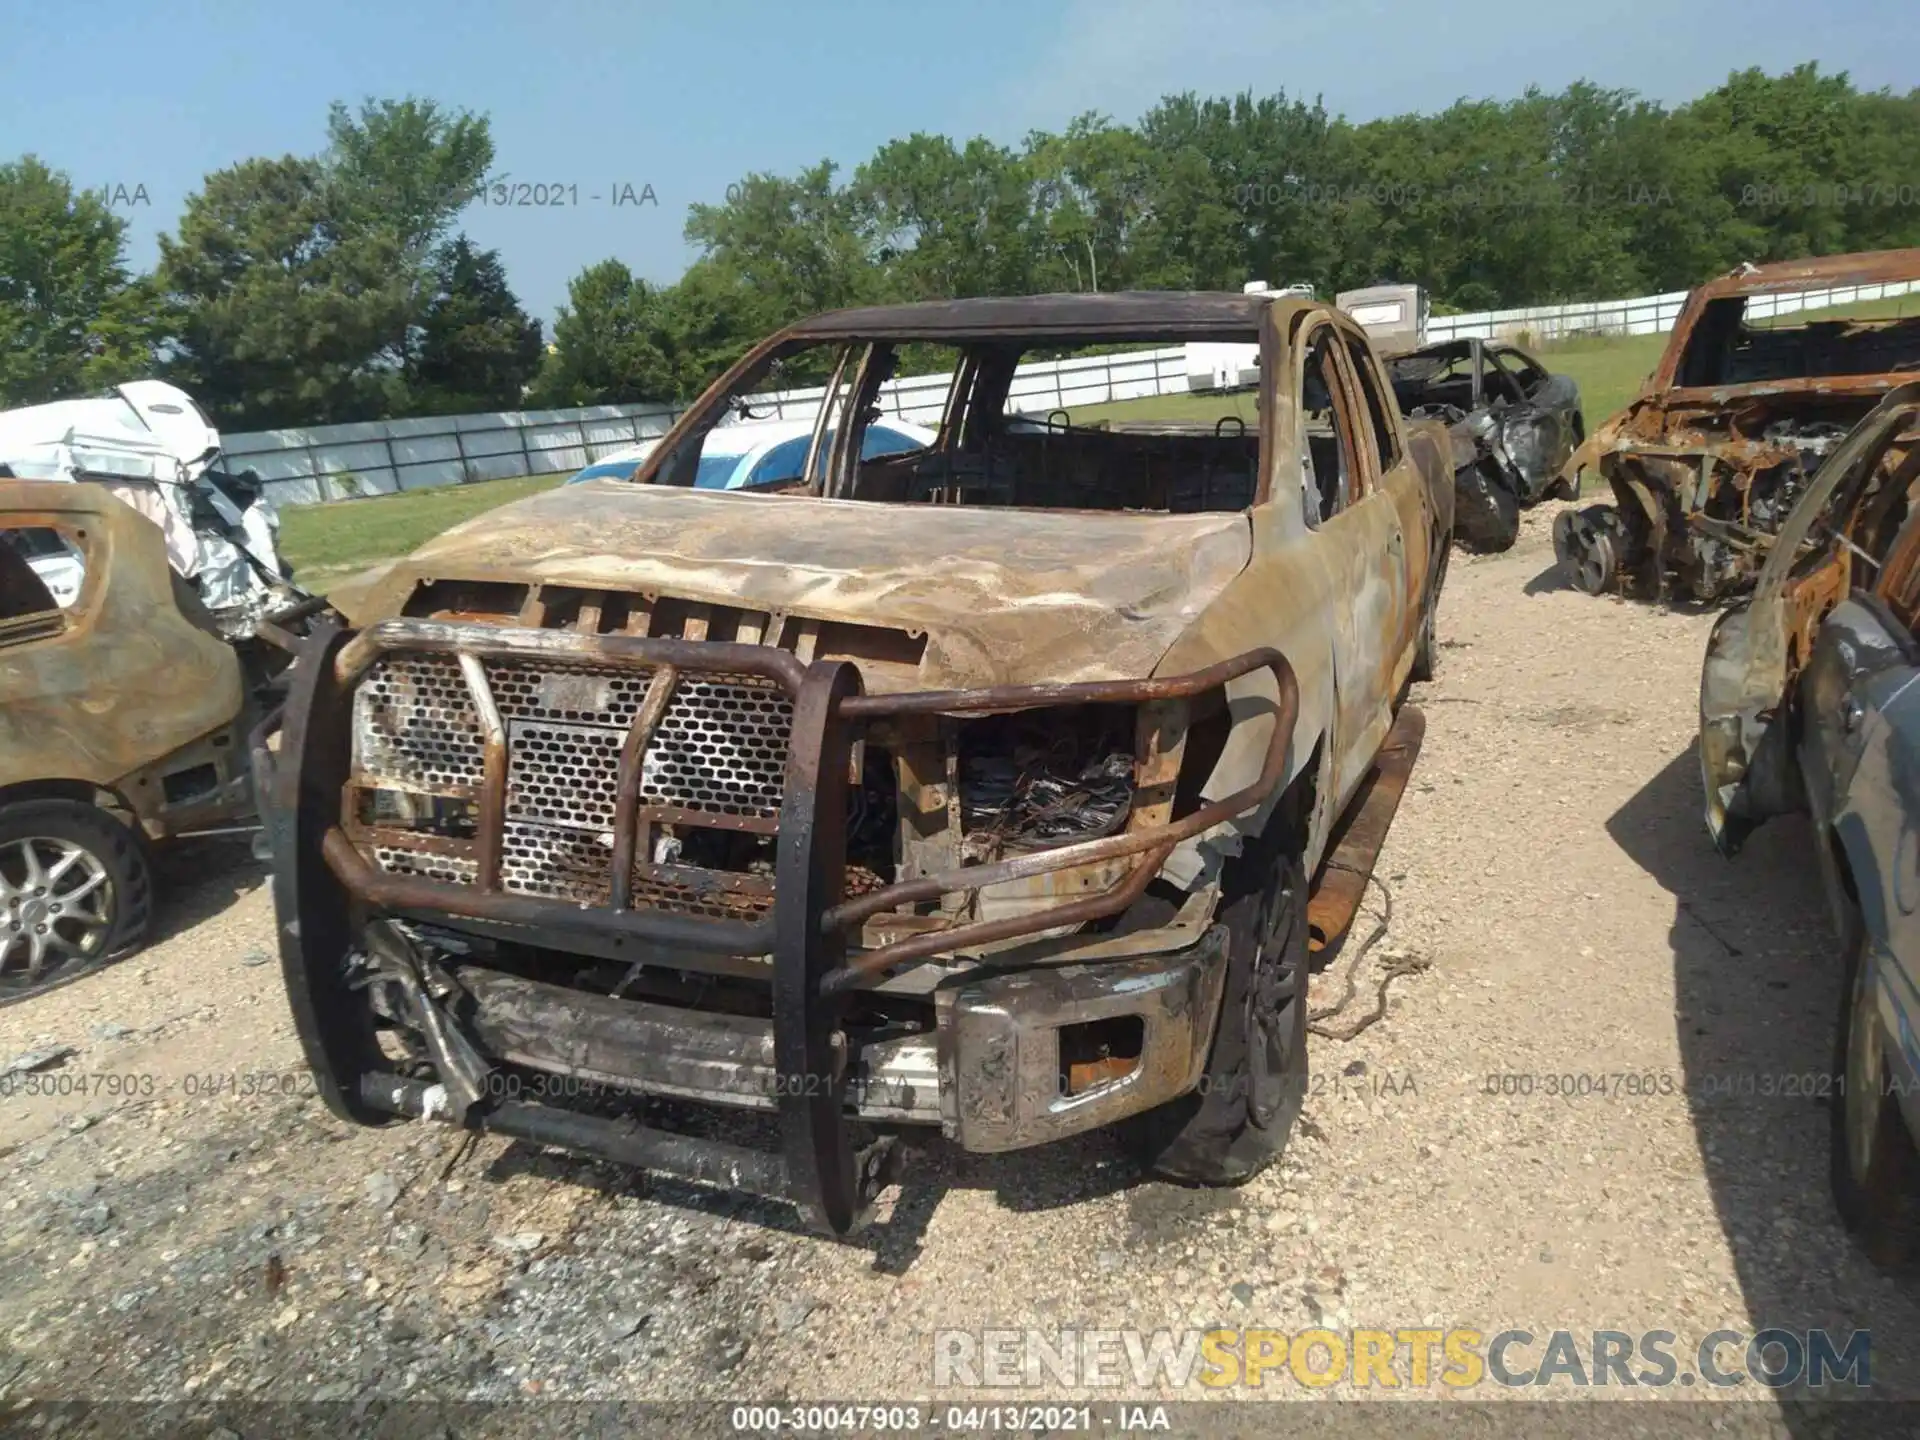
(718, 756)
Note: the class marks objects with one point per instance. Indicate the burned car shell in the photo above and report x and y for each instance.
(123, 717)
(534, 722)
(1810, 699)
(1513, 425)
(1709, 459)
(124, 691)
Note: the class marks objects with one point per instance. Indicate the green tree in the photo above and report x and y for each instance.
(946, 221)
(795, 247)
(72, 321)
(475, 348)
(285, 315)
(1093, 189)
(613, 342)
(301, 286)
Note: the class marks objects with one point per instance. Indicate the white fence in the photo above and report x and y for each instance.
(1644, 315)
(334, 462)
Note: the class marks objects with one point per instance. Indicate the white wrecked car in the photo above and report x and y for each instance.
(150, 445)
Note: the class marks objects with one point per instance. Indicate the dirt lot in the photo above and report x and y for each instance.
(1555, 910)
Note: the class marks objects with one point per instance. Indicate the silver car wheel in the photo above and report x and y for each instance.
(56, 908)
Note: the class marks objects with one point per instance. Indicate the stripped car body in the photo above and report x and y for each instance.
(1810, 699)
(1513, 424)
(897, 800)
(122, 709)
(1852, 540)
(1708, 461)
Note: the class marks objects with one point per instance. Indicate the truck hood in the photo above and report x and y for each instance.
(1003, 596)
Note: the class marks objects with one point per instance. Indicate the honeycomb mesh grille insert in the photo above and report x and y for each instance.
(556, 864)
(721, 746)
(560, 774)
(451, 869)
(414, 722)
(651, 893)
(589, 694)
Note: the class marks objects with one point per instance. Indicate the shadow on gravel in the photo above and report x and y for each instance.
(194, 880)
(1756, 990)
(1547, 581)
(895, 1243)
(1074, 1171)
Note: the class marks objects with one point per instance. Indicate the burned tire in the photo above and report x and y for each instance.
(75, 892)
(1486, 515)
(1876, 1169)
(1239, 1119)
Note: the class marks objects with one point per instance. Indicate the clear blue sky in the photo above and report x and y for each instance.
(687, 97)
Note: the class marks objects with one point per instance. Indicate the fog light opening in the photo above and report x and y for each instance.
(1099, 1052)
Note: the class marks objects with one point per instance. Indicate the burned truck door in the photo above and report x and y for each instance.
(1393, 474)
(1358, 525)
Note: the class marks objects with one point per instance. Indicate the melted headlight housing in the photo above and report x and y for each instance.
(1033, 779)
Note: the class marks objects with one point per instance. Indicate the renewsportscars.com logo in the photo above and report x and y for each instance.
(1410, 1358)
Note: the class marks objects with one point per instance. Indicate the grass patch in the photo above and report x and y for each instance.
(1208, 408)
(328, 542)
(1609, 369)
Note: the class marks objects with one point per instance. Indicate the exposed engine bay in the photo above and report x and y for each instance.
(1707, 463)
(1710, 500)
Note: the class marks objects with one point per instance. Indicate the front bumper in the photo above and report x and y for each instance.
(992, 1076)
(1006, 1081)
(997, 1074)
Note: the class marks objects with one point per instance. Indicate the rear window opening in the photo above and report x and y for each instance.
(1726, 348)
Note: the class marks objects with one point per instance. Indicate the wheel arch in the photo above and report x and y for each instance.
(85, 792)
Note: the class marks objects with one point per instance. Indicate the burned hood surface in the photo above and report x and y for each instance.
(1002, 595)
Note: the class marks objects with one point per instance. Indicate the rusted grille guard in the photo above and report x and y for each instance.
(829, 690)
(819, 1166)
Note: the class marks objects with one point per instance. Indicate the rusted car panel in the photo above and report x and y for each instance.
(988, 597)
(1708, 461)
(902, 795)
(123, 690)
(1810, 700)
(1513, 425)
(1853, 534)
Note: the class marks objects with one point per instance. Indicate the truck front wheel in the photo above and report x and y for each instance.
(1238, 1120)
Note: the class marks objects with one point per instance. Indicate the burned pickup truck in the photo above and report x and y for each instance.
(973, 789)
(1707, 462)
(1513, 424)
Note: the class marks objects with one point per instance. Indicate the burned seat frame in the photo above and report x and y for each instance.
(325, 885)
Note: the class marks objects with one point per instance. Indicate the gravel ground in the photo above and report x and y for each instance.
(184, 1230)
